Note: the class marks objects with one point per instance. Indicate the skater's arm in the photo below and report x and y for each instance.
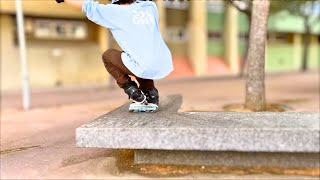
(102, 14)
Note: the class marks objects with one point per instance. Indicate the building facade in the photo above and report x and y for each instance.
(206, 38)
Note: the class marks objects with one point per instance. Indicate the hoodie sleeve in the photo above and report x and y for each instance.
(101, 14)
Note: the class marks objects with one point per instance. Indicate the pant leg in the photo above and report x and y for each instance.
(145, 83)
(114, 65)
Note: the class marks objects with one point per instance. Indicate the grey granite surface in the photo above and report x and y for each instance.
(204, 131)
(228, 158)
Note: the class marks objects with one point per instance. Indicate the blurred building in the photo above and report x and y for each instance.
(205, 37)
(285, 42)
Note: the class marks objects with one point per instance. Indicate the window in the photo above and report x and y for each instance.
(215, 36)
(177, 4)
(60, 29)
(55, 29)
(243, 37)
(216, 6)
(177, 34)
(280, 37)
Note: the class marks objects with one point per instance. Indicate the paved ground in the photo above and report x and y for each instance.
(40, 143)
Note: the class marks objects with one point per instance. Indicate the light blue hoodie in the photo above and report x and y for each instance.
(136, 29)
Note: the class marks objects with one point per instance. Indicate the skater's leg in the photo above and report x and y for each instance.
(114, 65)
(148, 88)
(145, 83)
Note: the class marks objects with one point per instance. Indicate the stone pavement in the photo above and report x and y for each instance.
(40, 143)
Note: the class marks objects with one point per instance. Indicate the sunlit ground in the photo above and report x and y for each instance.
(40, 143)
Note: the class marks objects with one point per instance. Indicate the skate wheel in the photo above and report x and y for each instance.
(151, 111)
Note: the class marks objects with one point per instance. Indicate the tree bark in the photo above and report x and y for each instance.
(255, 85)
(306, 45)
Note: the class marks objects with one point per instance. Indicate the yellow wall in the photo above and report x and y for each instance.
(70, 63)
(231, 38)
(198, 37)
(177, 18)
(314, 57)
(10, 71)
(48, 8)
(297, 49)
(314, 54)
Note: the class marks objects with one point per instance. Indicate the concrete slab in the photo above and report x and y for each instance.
(204, 131)
(229, 159)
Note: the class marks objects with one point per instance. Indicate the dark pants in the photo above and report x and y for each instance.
(114, 65)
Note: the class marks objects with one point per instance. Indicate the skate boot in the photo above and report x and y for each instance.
(152, 99)
(136, 95)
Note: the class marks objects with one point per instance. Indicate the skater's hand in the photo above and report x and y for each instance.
(60, 1)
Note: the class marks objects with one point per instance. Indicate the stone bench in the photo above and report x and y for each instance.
(289, 139)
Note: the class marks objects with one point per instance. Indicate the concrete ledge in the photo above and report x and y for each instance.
(228, 159)
(202, 131)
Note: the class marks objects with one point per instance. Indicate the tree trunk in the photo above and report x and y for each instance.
(306, 45)
(255, 86)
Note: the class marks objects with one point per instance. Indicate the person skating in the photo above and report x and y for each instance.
(134, 25)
